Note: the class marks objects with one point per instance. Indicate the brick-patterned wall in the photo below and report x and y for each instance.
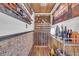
(17, 46)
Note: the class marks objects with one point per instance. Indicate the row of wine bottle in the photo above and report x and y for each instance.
(67, 34)
(64, 33)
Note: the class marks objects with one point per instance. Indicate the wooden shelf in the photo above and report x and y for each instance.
(67, 44)
(58, 39)
(69, 48)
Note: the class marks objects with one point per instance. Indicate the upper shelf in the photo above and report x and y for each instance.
(65, 12)
(16, 10)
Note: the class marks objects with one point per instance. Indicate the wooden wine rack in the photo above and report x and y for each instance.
(42, 34)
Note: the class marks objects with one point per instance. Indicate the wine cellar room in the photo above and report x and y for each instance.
(39, 29)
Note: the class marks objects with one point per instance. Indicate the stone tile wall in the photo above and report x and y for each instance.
(17, 46)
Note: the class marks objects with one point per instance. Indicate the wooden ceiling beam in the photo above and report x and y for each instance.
(43, 14)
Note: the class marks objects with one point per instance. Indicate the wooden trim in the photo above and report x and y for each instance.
(55, 7)
(31, 50)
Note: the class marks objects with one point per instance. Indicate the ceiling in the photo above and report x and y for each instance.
(38, 8)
